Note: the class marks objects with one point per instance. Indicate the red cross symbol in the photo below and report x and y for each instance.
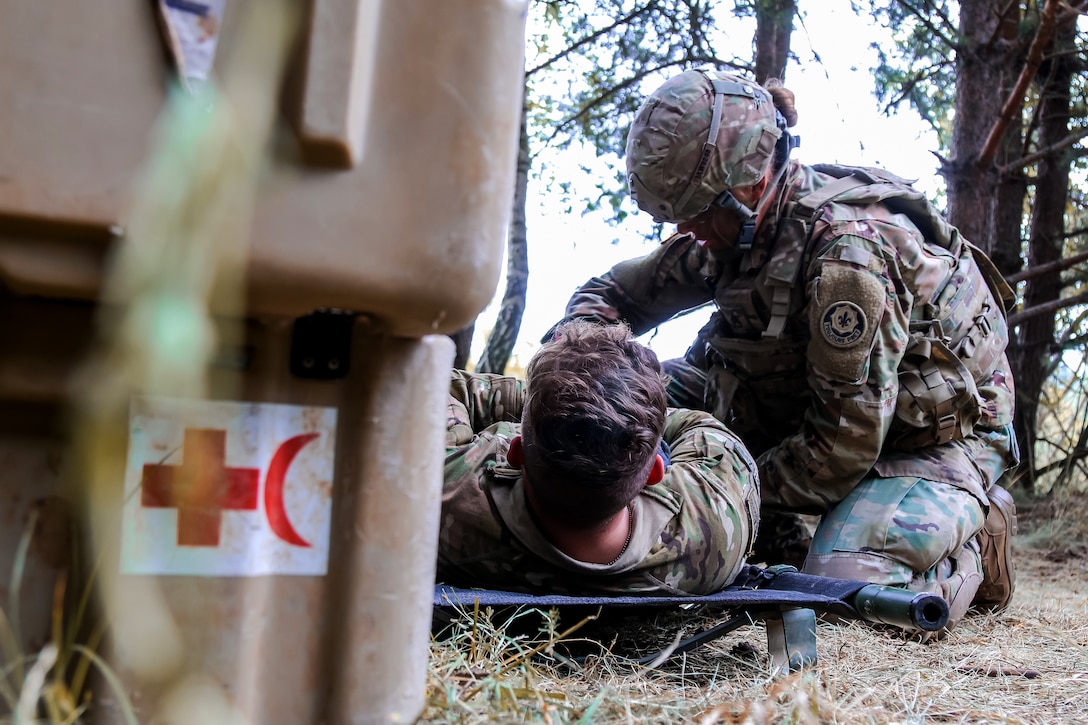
(201, 488)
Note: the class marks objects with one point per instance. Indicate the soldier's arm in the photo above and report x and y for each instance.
(715, 477)
(698, 439)
(479, 400)
(859, 331)
(646, 291)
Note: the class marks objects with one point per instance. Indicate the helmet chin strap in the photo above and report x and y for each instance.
(748, 217)
(722, 88)
(748, 230)
(727, 201)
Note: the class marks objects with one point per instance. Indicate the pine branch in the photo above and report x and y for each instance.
(1047, 308)
(1073, 8)
(1075, 233)
(923, 17)
(1006, 19)
(1047, 268)
(908, 86)
(578, 45)
(1072, 343)
(1075, 455)
(1016, 98)
(1041, 153)
(598, 101)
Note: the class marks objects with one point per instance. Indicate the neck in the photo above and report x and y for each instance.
(774, 195)
(598, 543)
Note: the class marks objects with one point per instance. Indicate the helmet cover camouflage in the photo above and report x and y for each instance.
(675, 169)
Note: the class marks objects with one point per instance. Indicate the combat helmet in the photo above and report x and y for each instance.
(701, 133)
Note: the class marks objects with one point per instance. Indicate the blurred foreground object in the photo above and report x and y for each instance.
(251, 425)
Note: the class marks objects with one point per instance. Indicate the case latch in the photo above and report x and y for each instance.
(321, 344)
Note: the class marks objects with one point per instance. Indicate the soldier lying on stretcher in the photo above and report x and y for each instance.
(579, 480)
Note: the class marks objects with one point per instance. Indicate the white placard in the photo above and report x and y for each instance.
(192, 29)
(216, 488)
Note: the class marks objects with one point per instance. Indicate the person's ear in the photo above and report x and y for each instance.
(750, 195)
(761, 186)
(657, 472)
(516, 455)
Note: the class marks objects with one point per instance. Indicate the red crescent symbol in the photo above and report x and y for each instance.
(273, 488)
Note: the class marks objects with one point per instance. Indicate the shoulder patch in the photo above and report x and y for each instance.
(847, 307)
(843, 324)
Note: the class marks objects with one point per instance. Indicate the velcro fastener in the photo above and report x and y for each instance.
(848, 306)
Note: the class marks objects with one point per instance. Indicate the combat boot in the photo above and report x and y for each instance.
(959, 588)
(995, 545)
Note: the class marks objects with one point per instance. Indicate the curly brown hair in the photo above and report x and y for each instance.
(592, 421)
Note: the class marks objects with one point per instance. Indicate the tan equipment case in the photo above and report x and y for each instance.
(387, 197)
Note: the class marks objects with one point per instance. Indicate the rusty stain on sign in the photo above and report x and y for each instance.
(245, 491)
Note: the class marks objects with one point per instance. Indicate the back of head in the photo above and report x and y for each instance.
(592, 422)
(699, 134)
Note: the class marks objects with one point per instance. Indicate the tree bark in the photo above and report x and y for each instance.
(500, 343)
(462, 340)
(1035, 335)
(980, 69)
(774, 26)
(1007, 205)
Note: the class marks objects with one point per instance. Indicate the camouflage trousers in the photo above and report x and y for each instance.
(904, 531)
(897, 531)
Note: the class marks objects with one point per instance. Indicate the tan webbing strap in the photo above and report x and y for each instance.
(939, 397)
(1001, 289)
(953, 411)
(722, 88)
(787, 264)
(780, 307)
(782, 270)
(817, 199)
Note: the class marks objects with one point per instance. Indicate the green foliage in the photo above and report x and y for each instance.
(590, 63)
(916, 61)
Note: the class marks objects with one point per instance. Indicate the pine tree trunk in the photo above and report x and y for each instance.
(1035, 335)
(774, 26)
(1007, 211)
(462, 339)
(500, 344)
(979, 72)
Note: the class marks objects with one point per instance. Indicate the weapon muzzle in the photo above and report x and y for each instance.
(902, 608)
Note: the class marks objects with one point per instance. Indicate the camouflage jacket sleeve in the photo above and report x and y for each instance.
(858, 328)
(692, 531)
(712, 488)
(648, 290)
(478, 401)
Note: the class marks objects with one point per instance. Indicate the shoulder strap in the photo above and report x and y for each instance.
(795, 231)
(1002, 290)
(903, 198)
(811, 204)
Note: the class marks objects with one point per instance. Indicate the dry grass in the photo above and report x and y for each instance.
(1028, 664)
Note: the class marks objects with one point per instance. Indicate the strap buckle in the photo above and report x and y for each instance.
(946, 428)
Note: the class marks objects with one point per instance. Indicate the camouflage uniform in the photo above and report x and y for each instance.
(691, 532)
(860, 361)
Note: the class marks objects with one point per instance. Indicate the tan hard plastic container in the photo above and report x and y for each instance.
(388, 195)
(397, 207)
